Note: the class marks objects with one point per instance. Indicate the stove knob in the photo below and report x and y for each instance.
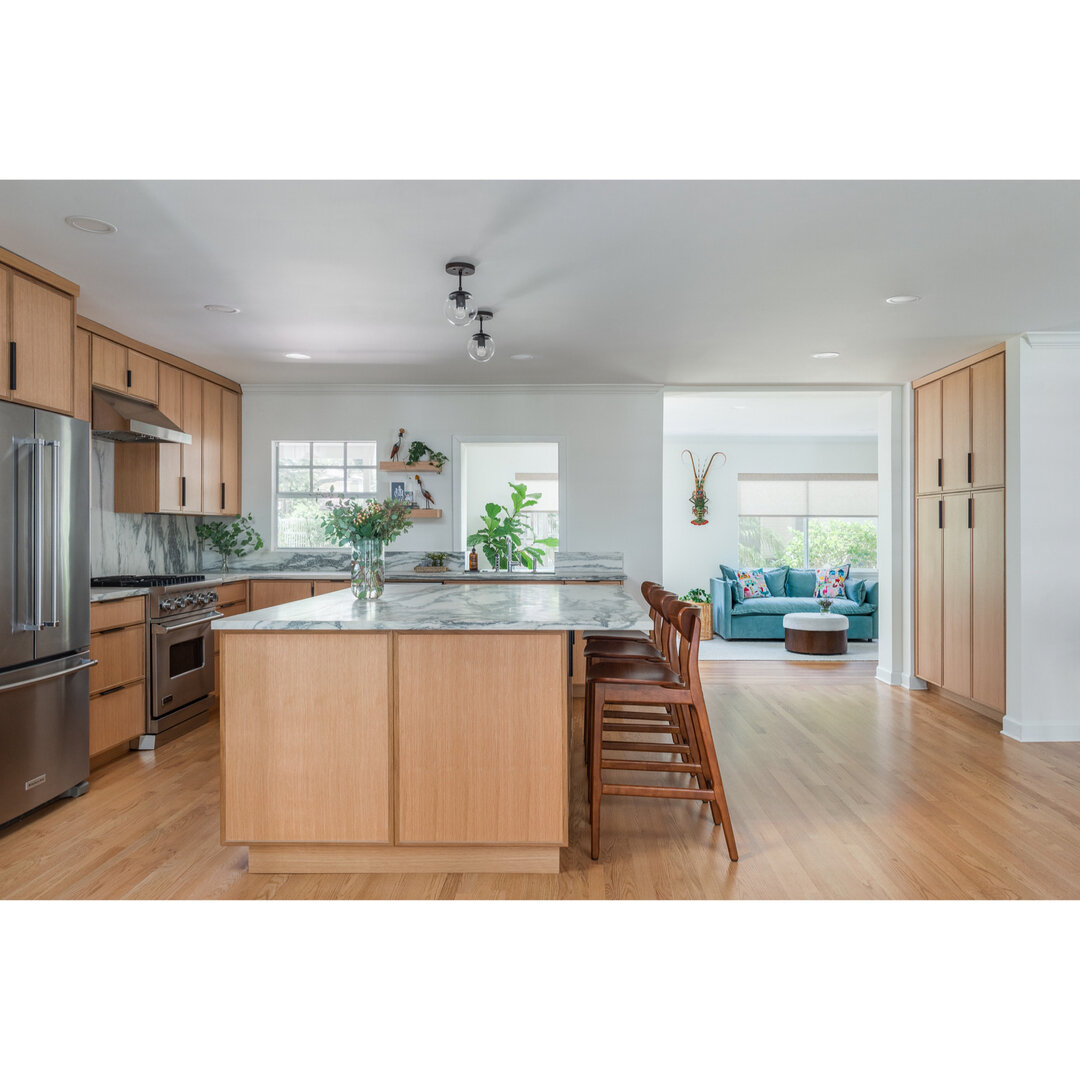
(166, 605)
(181, 602)
(212, 597)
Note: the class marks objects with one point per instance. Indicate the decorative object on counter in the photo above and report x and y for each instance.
(429, 499)
(481, 347)
(229, 538)
(438, 558)
(474, 562)
(699, 501)
(397, 446)
(418, 450)
(502, 524)
(460, 307)
(825, 602)
(703, 600)
(366, 526)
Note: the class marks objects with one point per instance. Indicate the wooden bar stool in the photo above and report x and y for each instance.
(641, 683)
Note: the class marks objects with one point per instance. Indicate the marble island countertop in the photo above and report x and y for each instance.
(471, 607)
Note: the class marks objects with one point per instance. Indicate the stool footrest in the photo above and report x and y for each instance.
(660, 729)
(653, 792)
(635, 714)
(651, 766)
(647, 747)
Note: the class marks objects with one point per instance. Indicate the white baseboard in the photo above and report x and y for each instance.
(1014, 729)
(912, 682)
(890, 678)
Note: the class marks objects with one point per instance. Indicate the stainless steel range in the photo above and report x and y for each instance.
(182, 614)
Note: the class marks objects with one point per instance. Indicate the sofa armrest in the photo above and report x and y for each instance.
(723, 598)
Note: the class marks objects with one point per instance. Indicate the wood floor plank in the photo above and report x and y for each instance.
(840, 788)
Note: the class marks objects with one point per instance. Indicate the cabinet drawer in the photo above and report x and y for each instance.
(229, 609)
(117, 716)
(105, 614)
(232, 592)
(120, 656)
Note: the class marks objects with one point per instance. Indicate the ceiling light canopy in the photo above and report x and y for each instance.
(90, 225)
(902, 299)
(222, 309)
(460, 307)
(481, 347)
(824, 355)
(297, 356)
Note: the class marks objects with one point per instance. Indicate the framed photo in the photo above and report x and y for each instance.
(397, 489)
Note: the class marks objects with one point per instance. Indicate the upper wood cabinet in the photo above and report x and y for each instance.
(122, 370)
(212, 502)
(83, 409)
(40, 344)
(191, 454)
(142, 376)
(5, 328)
(230, 452)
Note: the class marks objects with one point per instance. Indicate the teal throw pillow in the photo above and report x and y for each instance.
(776, 580)
(801, 582)
(855, 591)
(729, 574)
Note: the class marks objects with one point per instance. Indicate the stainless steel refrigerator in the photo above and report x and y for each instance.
(44, 607)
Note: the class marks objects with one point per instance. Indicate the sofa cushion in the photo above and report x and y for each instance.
(830, 581)
(855, 590)
(727, 571)
(750, 583)
(801, 582)
(776, 580)
(784, 605)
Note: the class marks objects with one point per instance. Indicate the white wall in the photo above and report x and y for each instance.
(692, 552)
(1043, 537)
(613, 445)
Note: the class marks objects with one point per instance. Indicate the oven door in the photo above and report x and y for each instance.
(183, 661)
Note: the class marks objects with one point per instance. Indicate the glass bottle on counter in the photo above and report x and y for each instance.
(474, 562)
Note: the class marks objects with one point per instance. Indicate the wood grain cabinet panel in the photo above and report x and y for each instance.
(928, 462)
(956, 596)
(108, 613)
(211, 448)
(322, 587)
(116, 717)
(928, 595)
(955, 429)
(270, 593)
(232, 592)
(141, 377)
(988, 422)
(82, 375)
(43, 329)
(5, 328)
(191, 454)
(988, 598)
(108, 364)
(120, 656)
(230, 452)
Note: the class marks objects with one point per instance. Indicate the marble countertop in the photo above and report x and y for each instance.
(471, 607)
(114, 594)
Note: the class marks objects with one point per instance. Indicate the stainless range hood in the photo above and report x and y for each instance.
(123, 419)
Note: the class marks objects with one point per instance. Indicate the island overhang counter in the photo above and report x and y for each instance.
(426, 731)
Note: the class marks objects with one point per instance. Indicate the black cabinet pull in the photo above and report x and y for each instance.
(111, 630)
(114, 690)
(971, 513)
(11, 365)
(939, 472)
(969, 466)
(941, 514)
(222, 494)
(183, 491)
(129, 376)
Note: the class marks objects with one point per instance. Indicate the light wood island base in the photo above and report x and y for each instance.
(451, 859)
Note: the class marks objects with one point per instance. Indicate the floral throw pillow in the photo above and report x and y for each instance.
(830, 583)
(751, 583)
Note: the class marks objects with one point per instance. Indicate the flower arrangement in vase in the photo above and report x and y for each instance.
(825, 602)
(366, 526)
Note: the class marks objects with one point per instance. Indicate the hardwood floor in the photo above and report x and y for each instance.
(840, 788)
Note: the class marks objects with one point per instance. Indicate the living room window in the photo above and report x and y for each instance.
(808, 521)
(304, 473)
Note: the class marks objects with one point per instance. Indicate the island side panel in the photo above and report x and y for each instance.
(305, 737)
(481, 738)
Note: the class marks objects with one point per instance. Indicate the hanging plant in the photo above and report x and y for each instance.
(699, 500)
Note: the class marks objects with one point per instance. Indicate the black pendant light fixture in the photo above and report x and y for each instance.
(481, 347)
(460, 307)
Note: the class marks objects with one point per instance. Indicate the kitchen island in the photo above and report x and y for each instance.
(427, 731)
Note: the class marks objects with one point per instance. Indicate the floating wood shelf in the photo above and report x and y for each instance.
(415, 467)
(425, 513)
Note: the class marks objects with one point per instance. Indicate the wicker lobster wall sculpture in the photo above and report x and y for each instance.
(699, 500)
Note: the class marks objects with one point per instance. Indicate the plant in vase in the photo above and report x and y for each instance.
(437, 558)
(366, 526)
(703, 600)
(228, 538)
(502, 523)
(825, 602)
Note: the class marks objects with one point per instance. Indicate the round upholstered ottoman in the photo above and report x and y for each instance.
(815, 634)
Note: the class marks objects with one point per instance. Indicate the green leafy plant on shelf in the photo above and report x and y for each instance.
(505, 522)
(696, 596)
(228, 538)
(418, 449)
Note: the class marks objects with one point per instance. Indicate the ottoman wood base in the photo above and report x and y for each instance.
(815, 642)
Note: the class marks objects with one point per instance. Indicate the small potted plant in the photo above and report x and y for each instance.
(366, 526)
(228, 538)
(825, 602)
(703, 601)
(437, 558)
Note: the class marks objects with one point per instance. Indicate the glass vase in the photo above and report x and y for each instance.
(367, 569)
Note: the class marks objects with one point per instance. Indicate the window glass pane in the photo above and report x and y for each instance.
(294, 453)
(327, 478)
(771, 541)
(362, 481)
(835, 541)
(299, 523)
(361, 453)
(294, 479)
(328, 453)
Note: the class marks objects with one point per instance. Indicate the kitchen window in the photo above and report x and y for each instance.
(306, 475)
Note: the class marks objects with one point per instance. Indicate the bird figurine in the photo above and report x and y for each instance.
(397, 446)
(428, 497)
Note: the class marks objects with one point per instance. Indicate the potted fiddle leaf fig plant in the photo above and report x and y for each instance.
(502, 523)
(236, 537)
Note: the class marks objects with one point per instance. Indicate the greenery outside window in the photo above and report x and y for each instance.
(305, 472)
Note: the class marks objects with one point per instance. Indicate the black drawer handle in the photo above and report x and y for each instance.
(114, 690)
(129, 376)
(113, 629)
(222, 494)
(12, 365)
(183, 491)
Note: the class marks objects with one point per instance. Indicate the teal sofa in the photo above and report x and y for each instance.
(762, 618)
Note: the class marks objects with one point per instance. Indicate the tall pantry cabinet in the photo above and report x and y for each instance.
(960, 529)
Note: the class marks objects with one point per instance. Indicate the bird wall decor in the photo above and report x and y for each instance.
(428, 497)
(699, 500)
(397, 446)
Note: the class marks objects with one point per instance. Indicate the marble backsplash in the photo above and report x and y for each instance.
(134, 543)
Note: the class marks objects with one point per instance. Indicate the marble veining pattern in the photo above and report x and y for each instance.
(115, 594)
(467, 607)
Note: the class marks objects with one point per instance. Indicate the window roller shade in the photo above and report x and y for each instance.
(817, 495)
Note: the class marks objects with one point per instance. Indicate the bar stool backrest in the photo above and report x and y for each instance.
(669, 604)
(687, 617)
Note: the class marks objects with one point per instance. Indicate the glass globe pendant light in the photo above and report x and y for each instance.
(481, 347)
(460, 307)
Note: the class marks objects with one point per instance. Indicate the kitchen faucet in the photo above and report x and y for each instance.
(509, 554)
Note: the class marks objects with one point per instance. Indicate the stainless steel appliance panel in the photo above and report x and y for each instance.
(44, 732)
(16, 539)
(64, 575)
(182, 661)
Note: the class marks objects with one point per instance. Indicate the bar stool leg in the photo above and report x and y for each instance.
(700, 719)
(596, 782)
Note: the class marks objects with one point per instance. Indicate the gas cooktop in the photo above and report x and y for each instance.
(147, 581)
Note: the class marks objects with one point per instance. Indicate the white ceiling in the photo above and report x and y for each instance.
(817, 413)
(676, 282)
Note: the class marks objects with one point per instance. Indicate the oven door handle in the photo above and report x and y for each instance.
(162, 628)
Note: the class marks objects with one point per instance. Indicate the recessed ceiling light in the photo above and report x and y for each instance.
(738, 406)
(297, 356)
(90, 225)
(824, 355)
(523, 356)
(224, 309)
(902, 299)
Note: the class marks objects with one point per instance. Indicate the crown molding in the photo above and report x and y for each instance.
(434, 388)
(1052, 339)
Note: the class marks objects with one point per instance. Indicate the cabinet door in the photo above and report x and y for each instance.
(43, 329)
(988, 598)
(955, 429)
(928, 589)
(191, 455)
(321, 588)
(170, 485)
(211, 448)
(928, 438)
(5, 330)
(142, 376)
(988, 422)
(82, 375)
(270, 593)
(116, 716)
(230, 452)
(956, 596)
(108, 364)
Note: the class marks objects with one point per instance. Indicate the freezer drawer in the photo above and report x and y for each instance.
(44, 732)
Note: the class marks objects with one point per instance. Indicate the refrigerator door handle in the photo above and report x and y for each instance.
(5, 687)
(39, 533)
(54, 444)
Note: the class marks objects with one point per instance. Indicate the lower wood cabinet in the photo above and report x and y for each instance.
(118, 698)
(286, 590)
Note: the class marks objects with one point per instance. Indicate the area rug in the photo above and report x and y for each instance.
(719, 649)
